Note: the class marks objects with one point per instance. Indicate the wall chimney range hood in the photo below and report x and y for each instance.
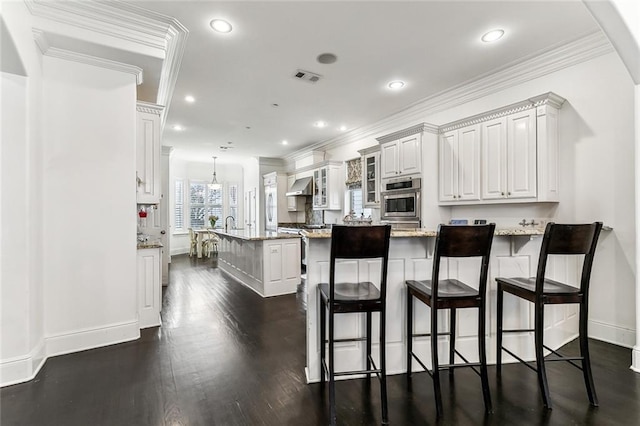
(301, 186)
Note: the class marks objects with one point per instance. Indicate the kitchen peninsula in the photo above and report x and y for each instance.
(267, 262)
(514, 253)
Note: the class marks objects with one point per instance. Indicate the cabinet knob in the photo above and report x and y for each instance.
(502, 193)
(508, 194)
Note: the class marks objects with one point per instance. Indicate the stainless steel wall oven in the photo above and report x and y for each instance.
(401, 202)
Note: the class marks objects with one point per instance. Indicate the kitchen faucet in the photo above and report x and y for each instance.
(226, 225)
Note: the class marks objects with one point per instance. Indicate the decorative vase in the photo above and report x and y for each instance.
(212, 222)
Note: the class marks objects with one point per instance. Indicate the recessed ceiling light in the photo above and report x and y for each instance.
(320, 124)
(190, 99)
(177, 127)
(285, 143)
(492, 35)
(342, 128)
(396, 84)
(327, 58)
(221, 26)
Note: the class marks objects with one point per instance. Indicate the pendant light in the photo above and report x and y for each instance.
(214, 182)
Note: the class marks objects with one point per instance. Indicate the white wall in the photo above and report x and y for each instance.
(227, 174)
(22, 348)
(596, 130)
(89, 193)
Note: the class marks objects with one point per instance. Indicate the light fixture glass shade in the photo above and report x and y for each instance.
(214, 181)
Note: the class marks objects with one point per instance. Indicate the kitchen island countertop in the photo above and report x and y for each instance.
(253, 235)
(423, 232)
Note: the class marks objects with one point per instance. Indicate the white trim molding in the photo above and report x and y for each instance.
(24, 368)
(534, 66)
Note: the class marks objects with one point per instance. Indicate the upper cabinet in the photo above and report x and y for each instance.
(508, 155)
(401, 153)
(328, 187)
(148, 146)
(459, 159)
(371, 176)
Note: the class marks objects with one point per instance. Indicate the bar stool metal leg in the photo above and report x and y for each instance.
(323, 338)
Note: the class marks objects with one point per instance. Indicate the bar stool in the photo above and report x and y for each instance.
(354, 242)
(558, 240)
(453, 242)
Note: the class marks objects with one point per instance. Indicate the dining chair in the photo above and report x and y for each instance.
(453, 242)
(193, 244)
(558, 240)
(361, 243)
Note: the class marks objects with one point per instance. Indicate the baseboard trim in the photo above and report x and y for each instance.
(614, 334)
(22, 369)
(635, 359)
(92, 338)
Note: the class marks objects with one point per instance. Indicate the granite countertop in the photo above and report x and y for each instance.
(149, 245)
(422, 232)
(253, 235)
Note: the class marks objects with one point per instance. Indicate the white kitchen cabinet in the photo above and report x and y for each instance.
(509, 157)
(459, 159)
(518, 160)
(148, 146)
(328, 187)
(295, 203)
(371, 176)
(401, 157)
(149, 287)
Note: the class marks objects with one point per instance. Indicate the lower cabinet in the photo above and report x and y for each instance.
(149, 287)
(270, 267)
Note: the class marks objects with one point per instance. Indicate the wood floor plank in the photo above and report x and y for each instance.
(225, 356)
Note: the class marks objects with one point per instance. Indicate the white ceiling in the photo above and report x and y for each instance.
(432, 45)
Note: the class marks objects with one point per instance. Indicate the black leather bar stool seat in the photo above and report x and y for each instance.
(354, 242)
(559, 239)
(453, 241)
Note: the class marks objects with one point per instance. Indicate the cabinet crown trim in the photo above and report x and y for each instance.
(370, 150)
(418, 128)
(149, 108)
(548, 98)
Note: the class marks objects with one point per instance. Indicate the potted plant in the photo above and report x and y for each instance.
(212, 220)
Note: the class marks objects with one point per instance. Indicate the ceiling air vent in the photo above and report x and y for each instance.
(307, 76)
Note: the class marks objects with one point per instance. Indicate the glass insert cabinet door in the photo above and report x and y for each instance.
(370, 170)
(320, 187)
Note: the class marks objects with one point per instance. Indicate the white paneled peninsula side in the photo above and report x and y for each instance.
(266, 262)
(514, 253)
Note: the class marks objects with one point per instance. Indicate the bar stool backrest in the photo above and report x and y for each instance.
(568, 239)
(360, 242)
(463, 241)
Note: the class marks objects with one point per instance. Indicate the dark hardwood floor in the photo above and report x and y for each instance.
(225, 356)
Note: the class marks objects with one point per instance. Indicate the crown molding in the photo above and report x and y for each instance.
(583, 49)
(548, 98)
(125, 21)
(418, 128)
(54, 52)
(150, 108)
(176, 40)
(166, 150)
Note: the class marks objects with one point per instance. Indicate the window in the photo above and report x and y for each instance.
(204, 202)
(354, 203)
(178, 209)
(233, 202)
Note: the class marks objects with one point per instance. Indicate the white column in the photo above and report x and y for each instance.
(635, 359)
